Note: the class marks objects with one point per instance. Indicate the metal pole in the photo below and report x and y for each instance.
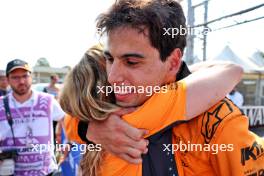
(190, 37)
(258, 91)
(205, 28)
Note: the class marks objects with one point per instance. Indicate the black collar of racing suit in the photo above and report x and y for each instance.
(183, 71)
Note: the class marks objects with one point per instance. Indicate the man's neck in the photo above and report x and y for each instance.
(52, 85)
(22, 98)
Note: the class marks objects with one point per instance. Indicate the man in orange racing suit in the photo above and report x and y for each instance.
(227, 146)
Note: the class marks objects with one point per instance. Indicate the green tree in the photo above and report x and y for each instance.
(43, 62)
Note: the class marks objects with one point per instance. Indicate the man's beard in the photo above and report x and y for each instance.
(20, 91)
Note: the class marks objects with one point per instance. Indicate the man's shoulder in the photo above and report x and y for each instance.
(223, 109)
(217, 117)
(2, 97)
(42, 95)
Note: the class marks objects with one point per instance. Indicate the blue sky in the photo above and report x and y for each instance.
(61, 30)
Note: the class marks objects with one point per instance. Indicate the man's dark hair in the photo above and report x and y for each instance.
(154, 15)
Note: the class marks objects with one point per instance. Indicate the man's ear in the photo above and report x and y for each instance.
(174, 62)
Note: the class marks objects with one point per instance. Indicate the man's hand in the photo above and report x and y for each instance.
(118, 137)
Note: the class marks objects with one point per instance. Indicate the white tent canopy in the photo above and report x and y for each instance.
(257, 58)
(227, 54)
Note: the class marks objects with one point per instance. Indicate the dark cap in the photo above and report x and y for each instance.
(15, 64)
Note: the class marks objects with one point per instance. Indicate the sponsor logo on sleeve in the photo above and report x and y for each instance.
(252, 152)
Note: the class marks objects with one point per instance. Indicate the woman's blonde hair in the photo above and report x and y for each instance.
(81, 98)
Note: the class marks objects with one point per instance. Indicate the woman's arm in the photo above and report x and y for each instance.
(209, 83)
